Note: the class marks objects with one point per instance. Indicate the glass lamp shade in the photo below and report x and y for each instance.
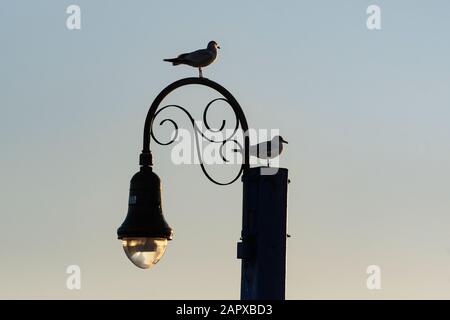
(144, 252)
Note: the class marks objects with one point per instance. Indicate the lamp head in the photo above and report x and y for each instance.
(145, 232)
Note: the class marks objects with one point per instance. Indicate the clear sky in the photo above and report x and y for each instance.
(366, 114)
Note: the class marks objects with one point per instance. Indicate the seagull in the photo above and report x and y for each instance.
(197, 59)
(267, 149)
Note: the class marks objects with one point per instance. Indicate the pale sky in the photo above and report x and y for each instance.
(366, 114)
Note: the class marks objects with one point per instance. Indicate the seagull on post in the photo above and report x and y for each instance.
(267, 149)
(197, 59)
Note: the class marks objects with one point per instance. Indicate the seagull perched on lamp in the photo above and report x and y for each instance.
(267, 149)
(197, 59)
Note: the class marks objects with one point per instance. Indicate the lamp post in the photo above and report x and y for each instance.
(145, 233)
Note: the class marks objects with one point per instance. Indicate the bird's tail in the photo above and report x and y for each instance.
(175, 61)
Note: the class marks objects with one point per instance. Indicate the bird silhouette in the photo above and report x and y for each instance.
(197, 59)
(266, 150)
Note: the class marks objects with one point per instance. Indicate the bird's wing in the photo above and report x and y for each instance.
(199, 58)
(183, 56)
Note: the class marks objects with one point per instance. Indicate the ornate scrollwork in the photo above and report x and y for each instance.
(239, 122)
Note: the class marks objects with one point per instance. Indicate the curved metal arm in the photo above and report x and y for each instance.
(146, 156)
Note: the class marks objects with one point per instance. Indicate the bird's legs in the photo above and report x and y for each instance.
(200, 73)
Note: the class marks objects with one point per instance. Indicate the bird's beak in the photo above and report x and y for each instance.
(284, 141)
(218, 47)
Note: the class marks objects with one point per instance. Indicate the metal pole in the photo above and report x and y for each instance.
(263, 246)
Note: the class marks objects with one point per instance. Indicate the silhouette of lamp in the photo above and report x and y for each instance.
(145, 232)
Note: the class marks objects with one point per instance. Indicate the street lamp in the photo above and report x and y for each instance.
(145, 233)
